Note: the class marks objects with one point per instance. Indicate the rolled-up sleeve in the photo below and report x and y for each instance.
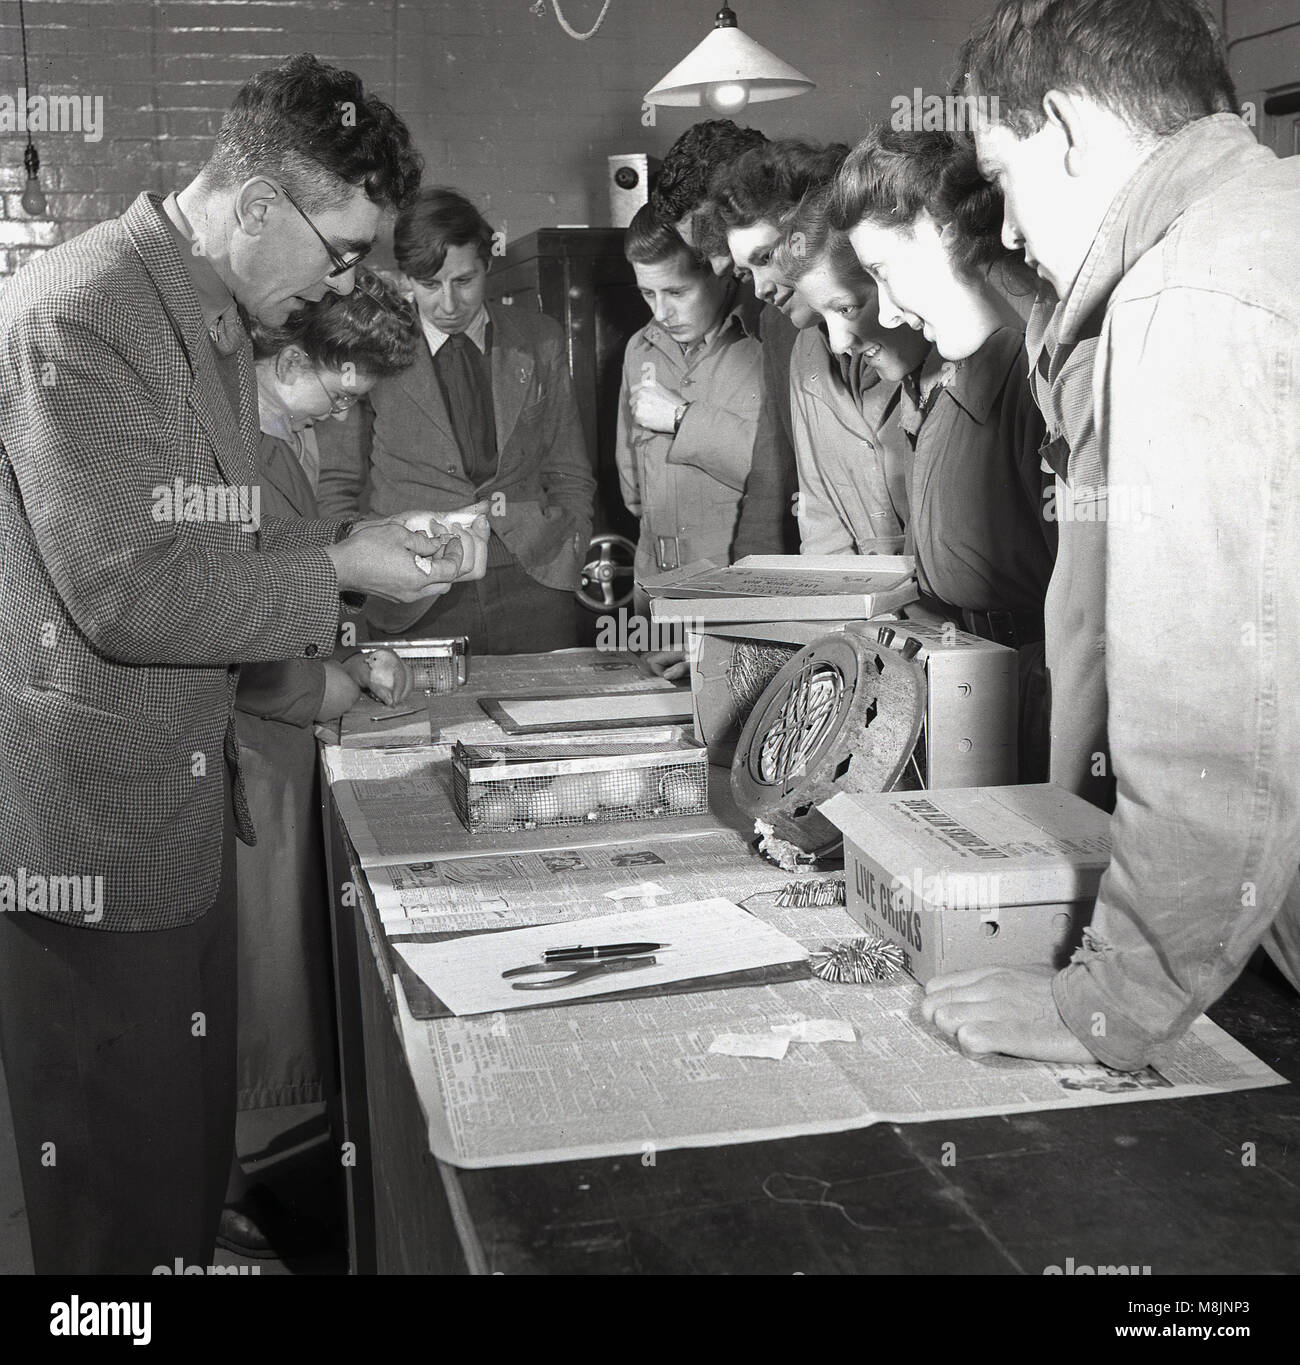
(1202, 657)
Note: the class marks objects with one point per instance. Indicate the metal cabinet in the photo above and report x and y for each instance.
(579, 277)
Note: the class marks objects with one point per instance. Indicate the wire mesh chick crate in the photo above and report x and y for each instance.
(511, 787)
(436, 665)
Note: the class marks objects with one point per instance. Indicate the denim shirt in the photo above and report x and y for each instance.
(1196, 399)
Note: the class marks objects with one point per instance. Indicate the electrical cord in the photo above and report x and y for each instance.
(539, 8)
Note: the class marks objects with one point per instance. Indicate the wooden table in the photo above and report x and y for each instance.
(1203, 1185)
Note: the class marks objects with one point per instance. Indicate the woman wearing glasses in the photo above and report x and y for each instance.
(309, 370)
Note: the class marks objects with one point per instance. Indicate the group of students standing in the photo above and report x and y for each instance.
(795, 382)
(1056, 350)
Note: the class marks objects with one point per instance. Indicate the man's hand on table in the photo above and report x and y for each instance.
(383, 557)
(1002, 1009)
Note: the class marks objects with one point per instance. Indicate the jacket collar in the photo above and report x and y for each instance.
(280, 466)
(420, 385)
(234, 435)
(513, 363)
(1180, 170)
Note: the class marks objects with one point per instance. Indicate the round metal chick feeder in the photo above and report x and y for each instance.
(843, 714)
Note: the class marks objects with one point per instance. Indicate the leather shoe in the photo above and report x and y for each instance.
(260, 1227)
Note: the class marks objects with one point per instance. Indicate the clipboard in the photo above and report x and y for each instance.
(548, 713)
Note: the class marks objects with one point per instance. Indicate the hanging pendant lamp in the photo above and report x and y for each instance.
(727, 71)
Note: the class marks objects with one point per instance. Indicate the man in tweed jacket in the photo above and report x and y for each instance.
(135, 576)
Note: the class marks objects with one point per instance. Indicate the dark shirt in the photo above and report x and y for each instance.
(766, 524)
(976, 517)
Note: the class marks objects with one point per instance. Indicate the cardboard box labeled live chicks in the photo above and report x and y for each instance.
(973, 876)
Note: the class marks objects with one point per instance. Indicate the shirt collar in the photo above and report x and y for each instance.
(215, 298)
(476, 331)
(741, 311)
(979, 379)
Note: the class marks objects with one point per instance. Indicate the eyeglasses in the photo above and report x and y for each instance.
(340, 404)
(342, 264)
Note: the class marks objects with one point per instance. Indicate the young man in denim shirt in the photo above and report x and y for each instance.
(1170, 235)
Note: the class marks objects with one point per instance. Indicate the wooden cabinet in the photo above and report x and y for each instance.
(579, 277)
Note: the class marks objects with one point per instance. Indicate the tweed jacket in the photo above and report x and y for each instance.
(397, 450)
(130, 587)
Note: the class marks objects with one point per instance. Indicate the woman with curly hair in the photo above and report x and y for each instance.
(311, 369)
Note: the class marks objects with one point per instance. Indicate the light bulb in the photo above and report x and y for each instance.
(33, 200)
(727, 97)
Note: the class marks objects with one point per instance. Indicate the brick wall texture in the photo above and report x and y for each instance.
(501, 102)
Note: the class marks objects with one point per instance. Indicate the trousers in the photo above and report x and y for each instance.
(119, 1052)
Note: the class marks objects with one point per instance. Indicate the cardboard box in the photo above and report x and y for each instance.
(972, 705)
(973, 876)
(970, 731)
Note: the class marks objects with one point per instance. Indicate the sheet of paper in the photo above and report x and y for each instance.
(642, 891)
(702, 938)
(750, 1045)
(673, 705)
(817, 1031)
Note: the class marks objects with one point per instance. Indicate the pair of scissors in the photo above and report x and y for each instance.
(569, 974)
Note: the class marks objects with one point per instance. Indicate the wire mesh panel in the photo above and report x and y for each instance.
(435, 665)
(526, 787)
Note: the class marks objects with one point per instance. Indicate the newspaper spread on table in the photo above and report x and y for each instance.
(510, 891)
(634, 1076)
(624, 1077)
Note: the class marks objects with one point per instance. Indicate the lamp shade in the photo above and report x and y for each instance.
(728, 57)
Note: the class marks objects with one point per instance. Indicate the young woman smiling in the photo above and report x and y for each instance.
(918, 215)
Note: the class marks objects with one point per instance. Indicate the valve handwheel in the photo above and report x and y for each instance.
(605, 583)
